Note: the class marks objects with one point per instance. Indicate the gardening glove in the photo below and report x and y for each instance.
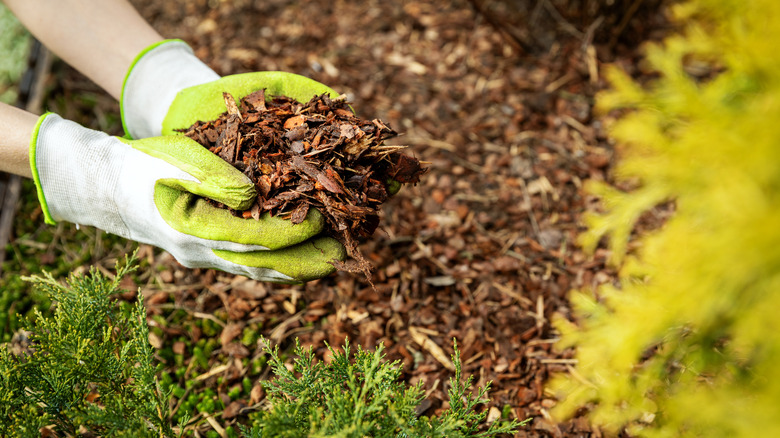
(152, 191)
(168, 88)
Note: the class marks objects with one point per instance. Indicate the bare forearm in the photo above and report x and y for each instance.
(16, 127)
(98, 38)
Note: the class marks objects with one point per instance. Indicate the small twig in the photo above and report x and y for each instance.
(436, 351)
(558, 83)
(179, 403)
(591, 31)
(568, 27)
(540, 319)
(279, 332)
(624, 22)
(593, 65)
(574, 373)
(209, 316)
(559, 361)
(217, 428)
(213, 372)
(501, 26)
(517, 296)
(531, 217)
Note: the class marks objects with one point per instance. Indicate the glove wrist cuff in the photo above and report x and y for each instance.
(36, 175)
(153, 80)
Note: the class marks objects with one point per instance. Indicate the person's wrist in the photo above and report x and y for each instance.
(152, 82)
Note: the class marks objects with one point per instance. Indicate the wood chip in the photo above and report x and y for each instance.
(426, 343)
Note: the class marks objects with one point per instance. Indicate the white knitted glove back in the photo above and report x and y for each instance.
(155, 77)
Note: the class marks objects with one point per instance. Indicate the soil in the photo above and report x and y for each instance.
(498, 97)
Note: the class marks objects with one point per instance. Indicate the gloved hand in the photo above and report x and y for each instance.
(168, 88)
(151, 191)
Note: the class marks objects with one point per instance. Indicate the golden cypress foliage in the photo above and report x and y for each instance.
(688, 344)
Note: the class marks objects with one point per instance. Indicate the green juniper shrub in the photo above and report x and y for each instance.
(89, 367)
(360, 395)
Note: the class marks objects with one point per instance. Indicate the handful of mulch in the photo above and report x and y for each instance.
(317, 154)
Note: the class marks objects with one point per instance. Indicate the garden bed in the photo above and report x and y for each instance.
(483, 249)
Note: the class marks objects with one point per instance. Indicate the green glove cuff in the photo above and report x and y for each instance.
(205, 102)
(34, 167)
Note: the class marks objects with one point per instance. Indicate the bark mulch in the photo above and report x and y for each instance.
(316, 154)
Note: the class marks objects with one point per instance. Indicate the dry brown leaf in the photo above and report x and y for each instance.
(230, 332)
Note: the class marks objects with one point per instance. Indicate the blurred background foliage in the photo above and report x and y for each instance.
(687, 342)
(14, 45)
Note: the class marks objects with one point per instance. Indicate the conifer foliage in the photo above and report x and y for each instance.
(688, 343)
(89, 368)
(362, 396)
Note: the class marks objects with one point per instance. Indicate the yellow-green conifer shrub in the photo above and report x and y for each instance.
(688, 342)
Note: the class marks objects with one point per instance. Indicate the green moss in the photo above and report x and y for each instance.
(200, 358)
(210, 328)
(246, 385)
(506, 412)
(258, 364)
(250, 335)
(177, 391)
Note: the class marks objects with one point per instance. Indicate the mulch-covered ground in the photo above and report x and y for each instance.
(497, 97)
